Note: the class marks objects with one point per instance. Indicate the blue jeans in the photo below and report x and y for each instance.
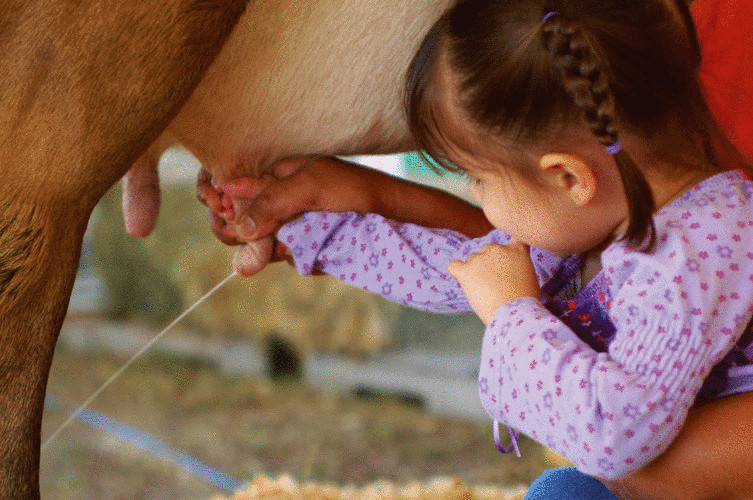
(567, 484)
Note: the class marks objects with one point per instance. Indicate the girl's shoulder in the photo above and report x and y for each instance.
(716, 208)
(698, 278)
(706, 232)
(723, 186)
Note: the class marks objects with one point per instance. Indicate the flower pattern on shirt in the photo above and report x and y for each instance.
(604, 376)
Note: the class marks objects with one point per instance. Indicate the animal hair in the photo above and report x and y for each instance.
(19, 242)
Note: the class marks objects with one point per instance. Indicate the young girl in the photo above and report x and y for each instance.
(616, 288)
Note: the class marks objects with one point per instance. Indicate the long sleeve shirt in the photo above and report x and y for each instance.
(605, 373)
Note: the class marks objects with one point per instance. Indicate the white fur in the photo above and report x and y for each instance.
(305, 77)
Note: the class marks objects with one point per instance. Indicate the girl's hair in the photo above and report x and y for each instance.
(526, 68)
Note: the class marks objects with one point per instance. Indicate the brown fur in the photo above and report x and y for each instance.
(86, 87)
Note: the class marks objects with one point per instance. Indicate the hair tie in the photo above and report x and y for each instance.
(614, 148)
(548, 16)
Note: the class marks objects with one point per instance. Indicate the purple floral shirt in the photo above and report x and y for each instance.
(603, 374)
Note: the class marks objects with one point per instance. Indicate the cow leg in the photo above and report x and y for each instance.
(87, 86)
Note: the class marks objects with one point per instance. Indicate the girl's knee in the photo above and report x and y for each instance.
(567, 483)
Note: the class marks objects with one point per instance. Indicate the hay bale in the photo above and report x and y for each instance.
(443, 488)
(312, 314)
(158, 278)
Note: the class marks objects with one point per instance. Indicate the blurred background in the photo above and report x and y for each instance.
(274, 374)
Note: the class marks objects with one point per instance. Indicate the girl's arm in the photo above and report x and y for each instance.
(614, 412)
(610, 413)
(402, 262)
(711, 456)
(300, 185)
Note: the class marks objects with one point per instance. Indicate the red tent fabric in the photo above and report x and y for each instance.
(725, 31)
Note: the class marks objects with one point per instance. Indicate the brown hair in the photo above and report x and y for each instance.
(596, 63)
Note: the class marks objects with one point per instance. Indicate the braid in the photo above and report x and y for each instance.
(587, 84)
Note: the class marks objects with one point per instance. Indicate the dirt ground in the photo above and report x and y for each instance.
(246, 427)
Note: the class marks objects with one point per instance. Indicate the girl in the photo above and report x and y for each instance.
(584, 132)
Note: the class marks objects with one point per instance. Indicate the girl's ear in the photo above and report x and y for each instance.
(571, 174)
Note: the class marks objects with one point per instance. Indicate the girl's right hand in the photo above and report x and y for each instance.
(248, 211)
(296, 186)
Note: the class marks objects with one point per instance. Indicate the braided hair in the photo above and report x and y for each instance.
(523, 75)
(586, 79)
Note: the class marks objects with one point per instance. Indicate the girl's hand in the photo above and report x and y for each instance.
(248, 211)
(219, 205)
(298, 185)
(252, 256)
(495, 276)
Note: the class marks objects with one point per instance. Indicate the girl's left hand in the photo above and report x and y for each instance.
(495, 276)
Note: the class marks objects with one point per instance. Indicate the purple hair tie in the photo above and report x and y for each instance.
(548, 16)
(615, 148)
(514, 435)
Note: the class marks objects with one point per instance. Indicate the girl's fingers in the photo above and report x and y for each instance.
(247, 187)
(252, 257)
(222, 230)
(206, 193)
(455, 268)
(228, 207)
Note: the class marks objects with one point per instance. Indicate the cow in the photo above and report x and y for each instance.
(95, 87)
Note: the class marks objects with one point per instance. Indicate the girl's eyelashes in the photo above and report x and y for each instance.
(473, 181)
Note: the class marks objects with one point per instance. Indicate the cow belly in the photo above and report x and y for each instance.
(316, 77)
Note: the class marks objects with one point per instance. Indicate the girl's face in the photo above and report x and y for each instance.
(565, 197)
(541, 214)
(520, 208)
(531, 204)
